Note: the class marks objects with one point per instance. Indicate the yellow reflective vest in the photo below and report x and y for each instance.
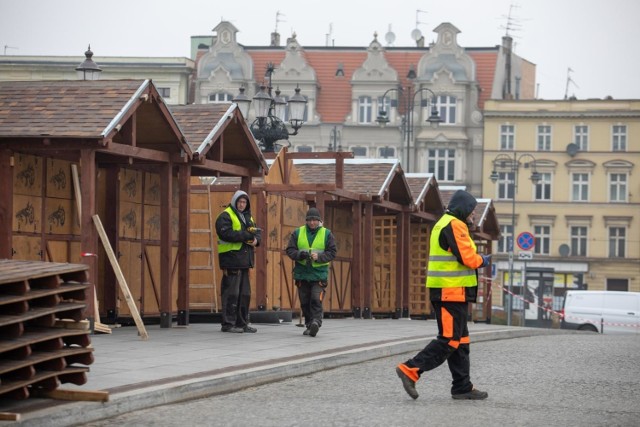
(236, 226)
(443, 269)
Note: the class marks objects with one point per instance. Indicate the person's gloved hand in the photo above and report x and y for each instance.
(486, 260)
(303, 255)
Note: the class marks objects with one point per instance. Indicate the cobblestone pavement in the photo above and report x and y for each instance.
(569, 380)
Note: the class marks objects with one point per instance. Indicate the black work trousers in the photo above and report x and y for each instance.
(236, 296)
(451, 344)
(311, 294)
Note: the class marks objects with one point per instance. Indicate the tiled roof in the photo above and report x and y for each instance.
(76, 109)
(334, 95)
(362, 176)
(196, 121)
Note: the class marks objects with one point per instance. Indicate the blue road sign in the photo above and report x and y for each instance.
(526, 241)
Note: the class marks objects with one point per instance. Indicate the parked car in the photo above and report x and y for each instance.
(606, 312)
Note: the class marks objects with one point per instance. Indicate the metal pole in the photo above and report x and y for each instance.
(513, 237)
(409, 126)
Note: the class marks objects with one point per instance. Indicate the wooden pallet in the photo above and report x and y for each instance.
(44, 341)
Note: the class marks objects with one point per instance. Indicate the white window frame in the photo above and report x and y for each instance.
(441, 162)
(447, 106)
(544, 137)
(542, 234)
(617, 241)
(581, 136)
(506, 238)
(505, 186)
(619, 137)
(219, 98)
(580, 187)
(579, 241)
(507, 137)
(357, 150)
(544, 187)
(365, 110)
(618, 182)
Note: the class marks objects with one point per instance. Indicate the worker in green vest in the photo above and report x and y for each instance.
(312, 247)
(237, 238)
(452, 279)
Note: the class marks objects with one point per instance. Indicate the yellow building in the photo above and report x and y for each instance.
(584, 208)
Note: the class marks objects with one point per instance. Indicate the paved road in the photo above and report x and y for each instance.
(558, 380)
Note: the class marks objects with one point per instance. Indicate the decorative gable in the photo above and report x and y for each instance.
(446, 58)
(294, 67)
(375, 67)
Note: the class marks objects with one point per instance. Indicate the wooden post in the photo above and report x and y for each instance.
(166, 243)
(6, 204)
(184, 208)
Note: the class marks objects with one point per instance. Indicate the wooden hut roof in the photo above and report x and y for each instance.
(35, 111)
(426, 194)
(219, 136)
(380, 179)
(486, 220)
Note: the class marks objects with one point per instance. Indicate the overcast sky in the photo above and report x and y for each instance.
(597, 39)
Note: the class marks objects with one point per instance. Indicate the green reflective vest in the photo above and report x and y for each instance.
(317, 244)
(236, 226)
(443, 269)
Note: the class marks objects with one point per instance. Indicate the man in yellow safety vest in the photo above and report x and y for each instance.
(452, 280)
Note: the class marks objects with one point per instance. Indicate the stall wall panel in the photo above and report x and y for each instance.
(130, 220)
(27, 213)
(130, 260)
(384, 265)
(59, 181)
(27, 175)
(419, 304)
(338, 293)
(27, 248)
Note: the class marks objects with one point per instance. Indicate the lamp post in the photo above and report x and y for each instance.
(334, 140)
(88, 70)
(407, 121)
(270, 112)
(511, 165)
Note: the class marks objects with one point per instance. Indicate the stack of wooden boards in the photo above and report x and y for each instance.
(44, 341)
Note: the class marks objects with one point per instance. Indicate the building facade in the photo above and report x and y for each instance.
(346, 87)
(583, 210)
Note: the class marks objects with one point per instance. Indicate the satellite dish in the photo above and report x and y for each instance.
(564, 250)
(416, 34)
(572, 149)
(390, 37)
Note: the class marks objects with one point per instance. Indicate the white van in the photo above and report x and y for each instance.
(607, 312)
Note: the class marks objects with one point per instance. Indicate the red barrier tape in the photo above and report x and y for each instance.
(506, 290)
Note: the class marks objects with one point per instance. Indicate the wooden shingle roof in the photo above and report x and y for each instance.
(62, 109)
(196, 121)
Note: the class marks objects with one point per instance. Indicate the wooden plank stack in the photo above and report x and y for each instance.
(44, 341)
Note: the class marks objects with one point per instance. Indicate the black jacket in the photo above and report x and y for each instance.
(244, 257)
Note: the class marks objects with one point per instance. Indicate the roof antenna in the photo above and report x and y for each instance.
(329, 35)
(417, 34)
(6, 46)
(278, 20)
(569, 80)
(513, 23)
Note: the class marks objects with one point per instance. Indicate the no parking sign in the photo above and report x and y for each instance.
(526, 241)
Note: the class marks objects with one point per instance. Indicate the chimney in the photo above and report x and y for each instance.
(275, 39)
(507, 43)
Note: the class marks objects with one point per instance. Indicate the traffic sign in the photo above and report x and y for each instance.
(526, 241)
(527, 255)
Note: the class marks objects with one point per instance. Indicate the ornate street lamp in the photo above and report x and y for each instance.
(506, 163)
(407, 121)
(88, 70)
(269, 125)
(334, 143)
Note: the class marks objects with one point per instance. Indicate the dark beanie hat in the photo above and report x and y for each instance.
(313, 213)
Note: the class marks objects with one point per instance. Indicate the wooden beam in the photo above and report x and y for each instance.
(356, 263)
(6, 204)
(121, 280)
(184, 208)
(280, 188)
(89, 237)
(367, 262)
(166, 193)
(77, 395)
(225, 168)
(135, 152)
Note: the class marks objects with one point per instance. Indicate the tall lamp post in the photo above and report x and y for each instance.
(334, 140)
(407, 121)
(269, 125)
(505, 163)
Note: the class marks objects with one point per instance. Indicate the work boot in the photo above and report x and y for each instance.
(408, 383)
(313, 329)
(474, 394)
(249, 329)
(232, 329)
(306, 332)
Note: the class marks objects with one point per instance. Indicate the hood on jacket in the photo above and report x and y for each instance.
(238, 194)
(461, 205)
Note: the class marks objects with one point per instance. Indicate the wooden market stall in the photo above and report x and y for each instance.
(132, 163)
